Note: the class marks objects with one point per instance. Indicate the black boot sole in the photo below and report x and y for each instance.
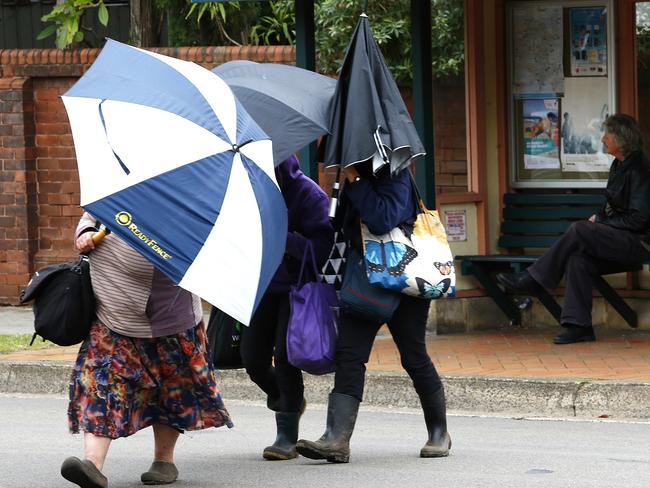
(313, 452)
(271, 454)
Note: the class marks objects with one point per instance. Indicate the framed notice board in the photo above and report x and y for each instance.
(560, 90)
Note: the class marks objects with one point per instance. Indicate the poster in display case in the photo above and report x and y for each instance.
(560, 92)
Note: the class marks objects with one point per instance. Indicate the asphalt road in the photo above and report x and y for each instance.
(487, 452)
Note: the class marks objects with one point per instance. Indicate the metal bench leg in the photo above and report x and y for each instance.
(551, 304)
(503, 301)
(616, 301)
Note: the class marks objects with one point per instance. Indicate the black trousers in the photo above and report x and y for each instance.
(408, 328)
(265, 339)
(585, 251)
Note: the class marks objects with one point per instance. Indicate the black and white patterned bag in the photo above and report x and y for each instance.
(332, 271)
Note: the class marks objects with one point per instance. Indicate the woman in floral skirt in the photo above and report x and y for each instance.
(144, 363)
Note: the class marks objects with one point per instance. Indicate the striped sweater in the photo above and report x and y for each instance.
(133, 298)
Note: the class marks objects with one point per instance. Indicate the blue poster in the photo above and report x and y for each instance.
(588, 41)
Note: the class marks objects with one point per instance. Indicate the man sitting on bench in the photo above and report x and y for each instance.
(615, 239)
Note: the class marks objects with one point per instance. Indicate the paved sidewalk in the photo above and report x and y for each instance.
(500, 354)
(508, 371)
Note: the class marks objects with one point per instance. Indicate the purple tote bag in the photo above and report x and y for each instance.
(311, 332)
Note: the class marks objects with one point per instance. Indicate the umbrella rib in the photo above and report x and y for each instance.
(119, 160)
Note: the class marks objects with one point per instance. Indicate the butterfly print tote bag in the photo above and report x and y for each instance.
(415, 261)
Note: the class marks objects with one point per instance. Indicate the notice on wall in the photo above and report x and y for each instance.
(456, 225)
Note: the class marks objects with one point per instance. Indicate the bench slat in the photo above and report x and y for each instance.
(553, 199)
(527, 241)
(548, 213)
(535, 227)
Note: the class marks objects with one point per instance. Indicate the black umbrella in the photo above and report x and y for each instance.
(369, 118)
(290, 104)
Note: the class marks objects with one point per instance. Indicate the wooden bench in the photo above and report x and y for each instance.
(533, 222)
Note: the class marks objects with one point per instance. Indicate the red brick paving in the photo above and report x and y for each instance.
(525, 353)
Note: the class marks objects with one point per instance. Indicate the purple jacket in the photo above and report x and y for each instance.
(308, 208)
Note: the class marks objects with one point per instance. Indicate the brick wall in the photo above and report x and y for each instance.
(39, 203)
(450, 136)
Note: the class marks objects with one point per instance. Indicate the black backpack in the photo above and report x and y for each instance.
(64, 304)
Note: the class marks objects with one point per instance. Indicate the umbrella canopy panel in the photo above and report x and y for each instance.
(290, 104)
(171, 162)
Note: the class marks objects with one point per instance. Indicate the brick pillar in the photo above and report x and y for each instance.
(18, 223)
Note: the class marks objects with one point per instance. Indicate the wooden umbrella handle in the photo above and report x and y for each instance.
(99, 235)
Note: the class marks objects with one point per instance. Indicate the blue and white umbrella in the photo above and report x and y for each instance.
(171, 162)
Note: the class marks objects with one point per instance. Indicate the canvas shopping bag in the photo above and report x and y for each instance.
(415, 261)
(312, 329)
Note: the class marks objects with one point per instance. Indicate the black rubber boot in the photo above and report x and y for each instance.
(435, 416)
(284, 446)
(334, 444)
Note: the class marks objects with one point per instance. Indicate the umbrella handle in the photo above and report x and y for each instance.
(99, 235)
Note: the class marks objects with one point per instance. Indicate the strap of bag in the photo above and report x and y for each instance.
(417, 198)
(309, 247)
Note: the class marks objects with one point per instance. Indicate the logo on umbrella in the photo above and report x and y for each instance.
(123, 218)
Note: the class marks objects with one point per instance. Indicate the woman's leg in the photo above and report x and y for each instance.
(353, 348)
(290, 383)
(96, 448)
(289, 378)
(257, 348)
(165, 440)
(408, 327)
(87, 473)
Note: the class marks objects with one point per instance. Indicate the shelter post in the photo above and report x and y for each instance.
(422, 97)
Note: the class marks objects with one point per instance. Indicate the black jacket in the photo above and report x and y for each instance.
(628, 196)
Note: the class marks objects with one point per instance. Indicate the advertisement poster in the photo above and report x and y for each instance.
(537, 49)
(541, 133)
(588, 41)
(455, 225)
(584, 109)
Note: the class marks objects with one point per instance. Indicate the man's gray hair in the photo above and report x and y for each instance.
(625, 131)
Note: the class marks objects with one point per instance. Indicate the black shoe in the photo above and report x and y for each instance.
(520, 283)
(83, 473)
(575, 333)
(160, 473)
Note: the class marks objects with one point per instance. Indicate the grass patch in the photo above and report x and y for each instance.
(16, 342)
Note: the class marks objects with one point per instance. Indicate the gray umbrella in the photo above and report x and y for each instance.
(290, 104)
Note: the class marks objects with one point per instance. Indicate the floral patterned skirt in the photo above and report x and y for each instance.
(121, 385)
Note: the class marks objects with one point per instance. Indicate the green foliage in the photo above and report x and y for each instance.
(224, 23)
(278, 27)
(211, 23)
(65, 19)
(389, 21)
